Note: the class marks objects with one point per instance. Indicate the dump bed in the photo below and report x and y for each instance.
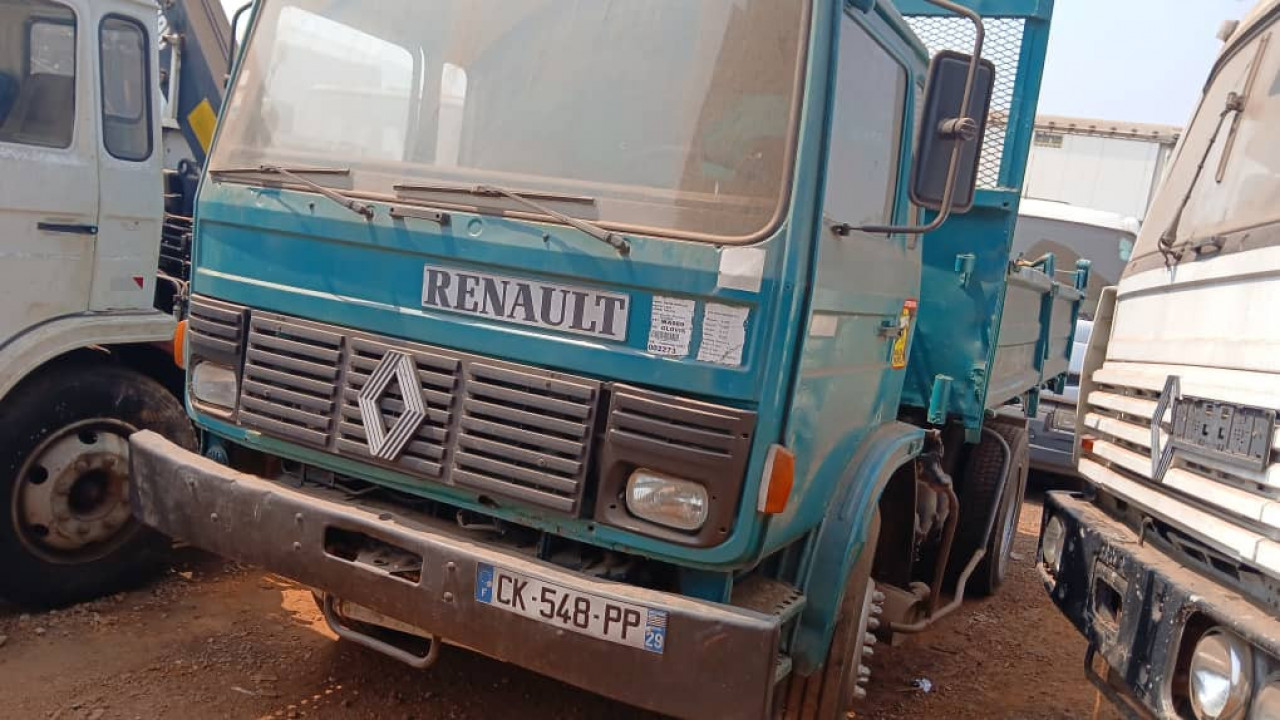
(990, 330)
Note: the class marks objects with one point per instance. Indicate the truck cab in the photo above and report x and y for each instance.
(644, 335)
(92, 169)
(1167, 564)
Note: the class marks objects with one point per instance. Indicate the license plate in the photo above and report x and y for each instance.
(618, 622)
(1236, 434)
(1063, 419)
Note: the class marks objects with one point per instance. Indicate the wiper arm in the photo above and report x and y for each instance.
(612, 239)
(355, 206)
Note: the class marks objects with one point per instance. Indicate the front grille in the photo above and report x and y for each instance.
(1119, 416)
(703, 433)
(290, 379)
(499, 428)
(437, 378)
(215, 330)
(526, 433)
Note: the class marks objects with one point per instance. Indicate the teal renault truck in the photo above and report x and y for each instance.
(671, 349)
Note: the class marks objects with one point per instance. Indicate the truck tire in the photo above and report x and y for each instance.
(981, 482)
(68, 534)
(831, 691)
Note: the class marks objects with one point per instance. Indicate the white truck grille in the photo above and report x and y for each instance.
(1234, 508)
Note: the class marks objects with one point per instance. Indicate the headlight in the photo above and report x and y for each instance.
(1221, 676)
(1267, 705)
(668, 501)
(1052, 540)
(214, 384)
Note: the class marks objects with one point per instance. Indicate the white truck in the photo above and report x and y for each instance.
(97, 170)
(1169, 564)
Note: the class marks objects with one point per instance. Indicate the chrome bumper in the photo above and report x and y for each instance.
(719, 660)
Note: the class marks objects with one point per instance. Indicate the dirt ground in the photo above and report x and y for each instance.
(218, 640)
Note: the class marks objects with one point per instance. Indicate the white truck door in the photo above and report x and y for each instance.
(48, 161)
(130, 170)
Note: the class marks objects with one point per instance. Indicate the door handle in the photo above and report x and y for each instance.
(70, 228)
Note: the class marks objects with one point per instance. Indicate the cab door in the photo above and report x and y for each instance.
(130, 170)
(48, 162)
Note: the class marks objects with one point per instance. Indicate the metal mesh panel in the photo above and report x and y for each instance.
(1003, 47)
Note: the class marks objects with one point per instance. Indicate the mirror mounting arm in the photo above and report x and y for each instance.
(964, 129)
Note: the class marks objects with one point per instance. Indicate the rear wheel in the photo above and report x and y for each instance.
(68, 533)
(831, 691)
(982, 480)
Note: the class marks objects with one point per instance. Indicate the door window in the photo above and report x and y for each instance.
(126, 94)
(866, 130)
(38, 82)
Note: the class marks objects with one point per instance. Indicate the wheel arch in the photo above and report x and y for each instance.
(131, 338)
(841, 536)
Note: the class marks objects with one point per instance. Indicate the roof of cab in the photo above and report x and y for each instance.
(1064, 212)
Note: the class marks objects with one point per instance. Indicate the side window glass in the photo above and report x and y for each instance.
(866, 131)
(37, 73)
(126, 96)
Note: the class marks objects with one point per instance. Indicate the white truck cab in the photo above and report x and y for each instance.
(1170, 563)
(83, 359)
(81, 196)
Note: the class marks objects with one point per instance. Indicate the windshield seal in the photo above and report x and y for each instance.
(769, 210)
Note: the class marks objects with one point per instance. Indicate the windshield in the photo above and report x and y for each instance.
(676, 116)
(1235, 191)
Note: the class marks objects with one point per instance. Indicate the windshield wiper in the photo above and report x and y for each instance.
(355, 206)
(608, 237)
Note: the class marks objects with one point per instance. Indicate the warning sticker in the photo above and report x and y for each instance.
(724, 334)
(898, 357)
(671, 326)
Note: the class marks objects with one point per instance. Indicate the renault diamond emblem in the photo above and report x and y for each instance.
(386, 443)
(1162, 452)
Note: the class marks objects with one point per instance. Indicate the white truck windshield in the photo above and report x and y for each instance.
(677, 117)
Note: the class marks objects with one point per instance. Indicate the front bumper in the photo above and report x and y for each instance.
(719, 660)
(1133, 602)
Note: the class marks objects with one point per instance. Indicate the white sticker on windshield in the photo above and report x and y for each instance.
(671, 326)
(741, 269)
(724, 334)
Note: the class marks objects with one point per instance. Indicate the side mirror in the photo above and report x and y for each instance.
(944, 125)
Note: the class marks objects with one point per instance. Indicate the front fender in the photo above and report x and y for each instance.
(841, 537)
(25, 353)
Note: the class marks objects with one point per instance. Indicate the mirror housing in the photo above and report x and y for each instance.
(943, 124)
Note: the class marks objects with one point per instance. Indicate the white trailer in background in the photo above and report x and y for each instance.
(1099, 164)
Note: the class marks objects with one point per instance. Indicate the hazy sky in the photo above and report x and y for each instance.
(1132, 60)
(1127, 60)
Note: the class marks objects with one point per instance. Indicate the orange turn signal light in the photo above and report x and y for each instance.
(779, 478)
(1086, 443)
(179, 346)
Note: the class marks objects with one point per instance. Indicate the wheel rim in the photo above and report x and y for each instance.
(1010, 522)
(72, 499)
(856, 674)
